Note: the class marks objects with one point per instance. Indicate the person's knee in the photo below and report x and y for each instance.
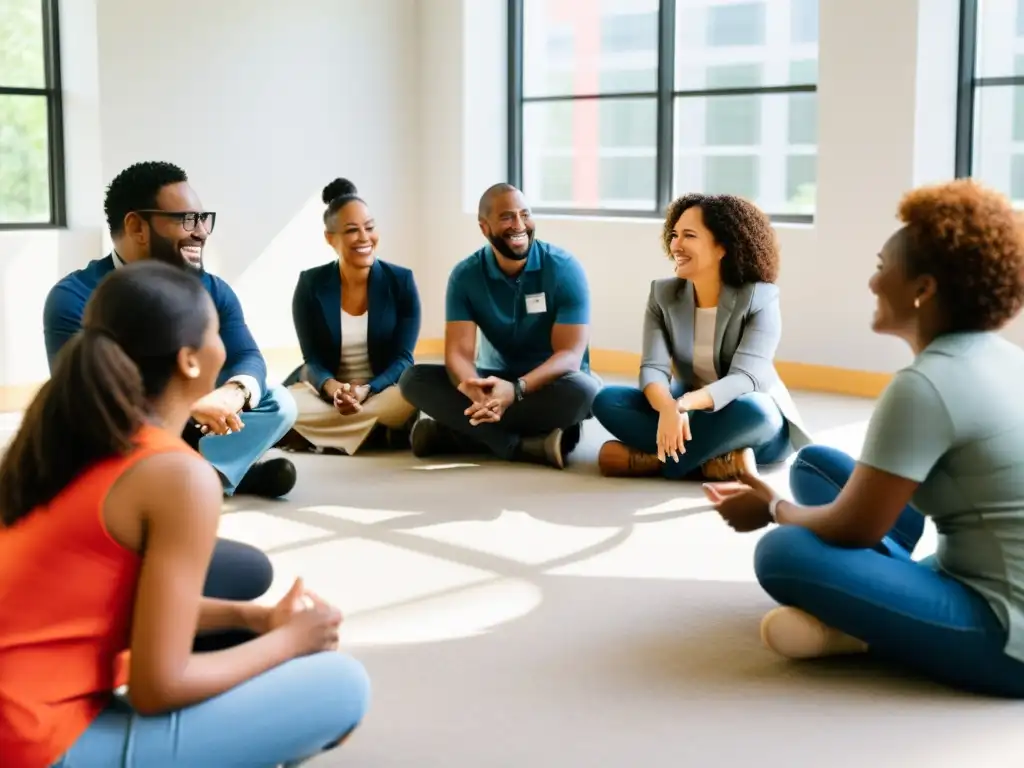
(814, 459)
(346, 694)
(414, 380)
(786, 553)
(284, 405)
(760, 416)
(578, 392)
(609, 403)
(238, 572)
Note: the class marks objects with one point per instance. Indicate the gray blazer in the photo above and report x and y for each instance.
(748, 326)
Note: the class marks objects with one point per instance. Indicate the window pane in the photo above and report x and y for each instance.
(598, 46)
(590, 154)
(24, 160)
(736, 24)
(801, 184)
(803, 21)
(1000, 29)
(736, 175)
(999, 139)
(21, 44)
(762, 147)
(719, 43)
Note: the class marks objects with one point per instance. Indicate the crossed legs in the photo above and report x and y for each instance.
(879, 599)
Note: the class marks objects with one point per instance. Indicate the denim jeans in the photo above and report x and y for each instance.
(284, 716)
(750, 421)
(909, 613)
(233, 455)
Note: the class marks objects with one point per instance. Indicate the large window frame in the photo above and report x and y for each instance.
(967, 84)
(666, 96)
(52, 92)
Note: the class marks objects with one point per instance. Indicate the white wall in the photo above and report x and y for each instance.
(886, 107)
(262, 103)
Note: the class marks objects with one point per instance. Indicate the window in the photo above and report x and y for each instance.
(653, 99)
(31, 151)
(990, 117)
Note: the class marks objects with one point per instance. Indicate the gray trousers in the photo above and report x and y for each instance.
(561, 404)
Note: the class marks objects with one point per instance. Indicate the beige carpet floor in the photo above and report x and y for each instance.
(519, 616)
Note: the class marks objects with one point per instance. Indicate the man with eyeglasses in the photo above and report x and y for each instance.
(153, 213)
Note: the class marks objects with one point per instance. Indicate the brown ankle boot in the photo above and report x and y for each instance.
(730, 466)
(619, 460)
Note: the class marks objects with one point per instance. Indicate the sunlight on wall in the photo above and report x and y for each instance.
(266, 285)
(26, 273)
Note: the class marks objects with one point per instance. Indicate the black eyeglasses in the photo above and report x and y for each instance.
(188, 219)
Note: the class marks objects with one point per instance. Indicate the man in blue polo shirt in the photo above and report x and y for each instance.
(524, 393)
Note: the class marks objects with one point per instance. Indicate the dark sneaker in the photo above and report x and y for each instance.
(270, 479)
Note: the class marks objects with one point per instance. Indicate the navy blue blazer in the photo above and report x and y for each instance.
(65, 305)
(393, 325)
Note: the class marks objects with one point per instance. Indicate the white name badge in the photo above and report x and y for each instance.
(535, 304)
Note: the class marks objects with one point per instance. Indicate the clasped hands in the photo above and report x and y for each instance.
(349, 398)
(490, 396)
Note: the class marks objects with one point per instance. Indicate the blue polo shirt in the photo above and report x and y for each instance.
(515, 315)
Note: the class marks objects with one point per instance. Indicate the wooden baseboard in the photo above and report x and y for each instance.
(797, 376)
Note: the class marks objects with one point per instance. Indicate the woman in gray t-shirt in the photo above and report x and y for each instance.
(946, 441)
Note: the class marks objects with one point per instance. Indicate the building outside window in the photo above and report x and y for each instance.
(590, 103)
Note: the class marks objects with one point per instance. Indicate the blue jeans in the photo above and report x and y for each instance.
(232, 455)
(908, 612)
(750, 421)
(286, 715)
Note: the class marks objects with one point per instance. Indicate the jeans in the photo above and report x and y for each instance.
(237, 572)
(750, 421)
(232, 455)
(561, 404)
(284, 716)
(909, 613)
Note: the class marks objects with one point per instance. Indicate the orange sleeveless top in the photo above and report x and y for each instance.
(67, 592)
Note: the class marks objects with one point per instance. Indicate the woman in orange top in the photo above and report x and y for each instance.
(107, 525)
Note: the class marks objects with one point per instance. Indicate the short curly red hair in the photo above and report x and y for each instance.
(739, 226)
(971, 240)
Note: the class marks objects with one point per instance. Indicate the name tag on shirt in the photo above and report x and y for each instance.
(535, 304)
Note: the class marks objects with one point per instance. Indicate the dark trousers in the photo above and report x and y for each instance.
(561, 404)
(237, 572)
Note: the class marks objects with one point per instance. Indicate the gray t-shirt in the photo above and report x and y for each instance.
(954, 422)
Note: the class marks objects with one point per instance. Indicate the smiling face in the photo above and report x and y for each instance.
(354, 235)
(899, 296)
(176, 234)
(508, 225)
(692, 246)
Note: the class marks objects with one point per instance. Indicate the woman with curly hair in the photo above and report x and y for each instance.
(717, 324)
(946, 440)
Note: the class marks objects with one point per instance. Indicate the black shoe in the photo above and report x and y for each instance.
(270, 479)
(571, 438)
(545, 449)
(430, 438)
(397, 439)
